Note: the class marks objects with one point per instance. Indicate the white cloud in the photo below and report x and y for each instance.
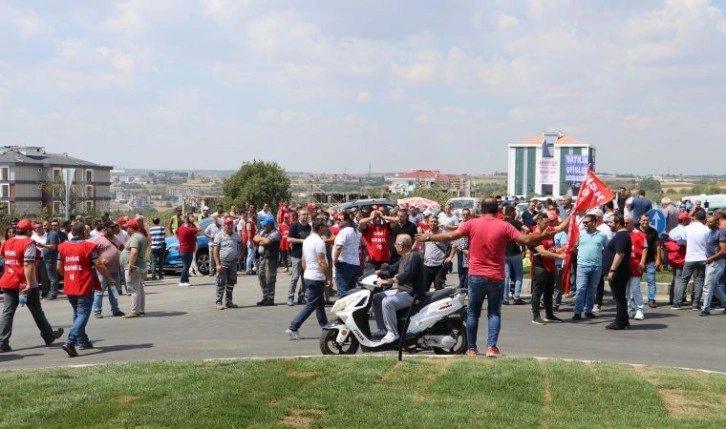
(363, 97)
(507, 22)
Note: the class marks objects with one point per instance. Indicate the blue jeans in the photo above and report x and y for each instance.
(714, 272)
(81, 312)
(345, 277)
(479, 288)
(186, 258)
(587, 280)
(50, 268)
(112, 294)
(650, 278)
(315, 302)
(634, 295)
(513, 262)
(251, 254)
(697, 268)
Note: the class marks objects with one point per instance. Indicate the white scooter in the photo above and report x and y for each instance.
(436, 323)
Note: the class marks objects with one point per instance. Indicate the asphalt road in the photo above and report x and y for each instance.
(182, 323)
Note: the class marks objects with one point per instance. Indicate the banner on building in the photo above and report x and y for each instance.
(576, 167)
(548, 171)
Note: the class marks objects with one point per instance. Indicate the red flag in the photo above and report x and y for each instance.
(593, 192)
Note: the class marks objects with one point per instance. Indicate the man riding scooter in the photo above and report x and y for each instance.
(410, 285)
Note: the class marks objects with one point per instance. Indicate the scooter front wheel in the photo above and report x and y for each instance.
(329, 345)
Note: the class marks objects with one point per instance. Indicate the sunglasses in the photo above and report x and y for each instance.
(586, 223)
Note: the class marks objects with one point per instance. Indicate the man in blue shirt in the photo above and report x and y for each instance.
(641, 206)
(715, 264)
(50, 254)
(589, 267)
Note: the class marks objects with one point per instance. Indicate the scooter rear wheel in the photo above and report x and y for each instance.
(458, 332)
(329, 345)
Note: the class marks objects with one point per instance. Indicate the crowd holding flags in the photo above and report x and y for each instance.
(593, 193)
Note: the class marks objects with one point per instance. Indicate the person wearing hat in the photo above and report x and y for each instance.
(107, 247)
(226, 251)
(133, 261)
(19, 278)
(204, 214)
(268, 242)
(77, 260)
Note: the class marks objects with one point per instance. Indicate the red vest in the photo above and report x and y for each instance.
(13, 252)
(248, 235)
(638, 239)
(549, 245)
(78, 276)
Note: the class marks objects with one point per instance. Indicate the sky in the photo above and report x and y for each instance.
(344, 86)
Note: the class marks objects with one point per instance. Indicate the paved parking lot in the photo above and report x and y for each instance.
(182, 323)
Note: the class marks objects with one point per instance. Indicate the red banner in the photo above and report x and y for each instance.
(593, 193)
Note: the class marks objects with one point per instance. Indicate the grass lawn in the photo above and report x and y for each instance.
(369, 392)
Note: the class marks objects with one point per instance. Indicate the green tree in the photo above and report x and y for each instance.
(651, 187)
(257, 182)
(433, 194)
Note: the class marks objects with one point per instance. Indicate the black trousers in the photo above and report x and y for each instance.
(543, 283)
(619, 286)
(600, 291)
(11, 297)
(437, 275)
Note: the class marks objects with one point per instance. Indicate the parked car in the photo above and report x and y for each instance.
(173, 259)
(365, 204)
(473, 204)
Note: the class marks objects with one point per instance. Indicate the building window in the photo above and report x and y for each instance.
(89, 206)
(57, 208)
(57, 174)
(89, 191)
(4, 191)
(5, 173)
(89, 175)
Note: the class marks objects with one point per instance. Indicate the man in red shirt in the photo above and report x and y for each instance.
(543, 258)
(376, 236)
(488, 237)
(20, 279)
(187, 235)
(637, 268)
(76, 260)
(284, 227)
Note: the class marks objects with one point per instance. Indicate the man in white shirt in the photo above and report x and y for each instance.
(210, 231)
(346, 255)
(316, 277)
(694, 237)
(448, 220)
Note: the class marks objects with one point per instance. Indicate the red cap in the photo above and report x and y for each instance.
(229, 219)
(122, 220)
(683, 216)
(311, 206)
(131, 223)
(24, 224)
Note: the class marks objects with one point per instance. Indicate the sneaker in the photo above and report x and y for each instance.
(389, 338)
(505, 302)
(119, 314)
(301, 300)
(595, 309)
(696, 308)
(705, 313)
(98, 315)
(493, 352)
(519, 301)
(294, 335)
(220, 306)
(639, 315)
(269, 303)
(556, 308)
(676, 307)
(539, 321)
(577, 316)
(290, 302)
(87, 346)
(380, 333)
(132, 315)
(590, 316)
(472, 352)
(261, 303)
(231, 305)
(5, 348)
(552, 318)
(71, 350)
(652, 304)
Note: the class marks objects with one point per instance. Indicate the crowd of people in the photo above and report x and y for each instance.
(325, 252)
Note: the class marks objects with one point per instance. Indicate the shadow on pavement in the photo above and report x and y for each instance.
(6, 357)
(165, 313)
(647, 326)
(118, 348)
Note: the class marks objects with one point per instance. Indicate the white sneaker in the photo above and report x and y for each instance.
(639, 315)
(294, 335)
(389, 338)
(596, 309)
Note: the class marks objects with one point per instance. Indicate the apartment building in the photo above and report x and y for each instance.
(30, 181)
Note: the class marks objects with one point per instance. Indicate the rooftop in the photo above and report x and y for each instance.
(38, 155)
